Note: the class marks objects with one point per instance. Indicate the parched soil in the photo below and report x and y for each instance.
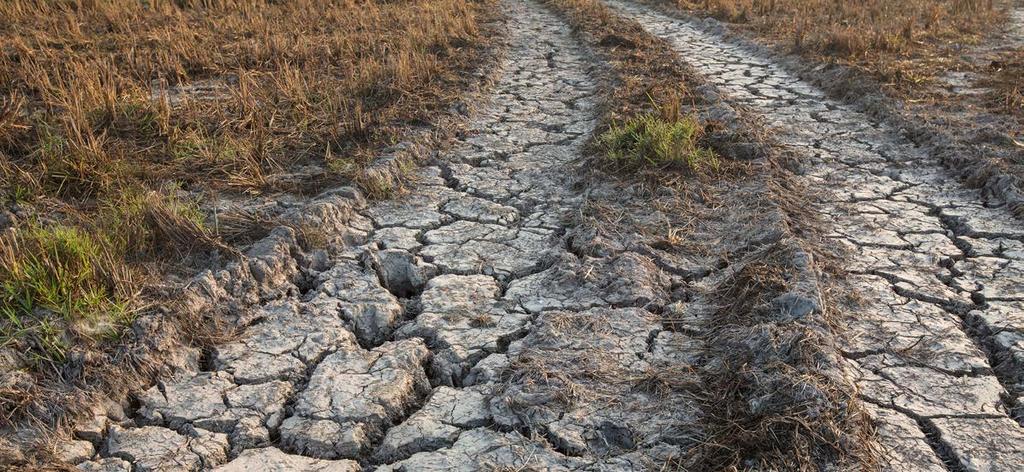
(827, 296)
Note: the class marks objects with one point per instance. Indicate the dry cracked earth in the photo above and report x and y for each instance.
(420, 345)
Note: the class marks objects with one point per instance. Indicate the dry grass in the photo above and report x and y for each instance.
(776, 398)
(221, 93)
(902, 42)
(1004, 79)
(119, 119)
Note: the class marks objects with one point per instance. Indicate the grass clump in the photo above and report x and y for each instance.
(649, 140)
(58, 285)
(77, 283)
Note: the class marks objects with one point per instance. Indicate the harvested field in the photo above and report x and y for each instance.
(591, 235)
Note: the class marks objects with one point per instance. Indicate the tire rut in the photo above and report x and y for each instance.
(934, 338)
(406, 352)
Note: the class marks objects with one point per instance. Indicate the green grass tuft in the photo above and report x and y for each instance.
(64, 285)
(57, 283)
(651, 141)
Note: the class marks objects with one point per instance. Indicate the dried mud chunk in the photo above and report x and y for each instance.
(459, 293)
(463, 322)
(476, 248)
(417, 210)
(248, 433)
(279, 347)
(480, 210)
(356, 295)
(405, 239)
(487, 182)
(927, 392)
(628, 279)
(74, 452)
(980, 222)
(152, 448)
(358, 392)
(597, 358)
(198, 401)
(992, 278)
(438, 424)
(92, 429)
(212, 448)
(488, 370)
(983, 443)
(903, 445)
(265, 401)
(483, 449)
(1008, 248)
(109, 464)
(916, 331)
(271, 459)
(324, 438)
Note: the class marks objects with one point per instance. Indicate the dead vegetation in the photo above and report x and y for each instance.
(1005, 79)
(778, 381)
(903, 43)
(122, 121)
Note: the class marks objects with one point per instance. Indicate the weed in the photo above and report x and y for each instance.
(651, 140)
(57, 283)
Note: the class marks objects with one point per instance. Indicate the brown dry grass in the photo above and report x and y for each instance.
(221, 93)
(1005, 79)
(901, 42)
(119, 119)
(777, 398)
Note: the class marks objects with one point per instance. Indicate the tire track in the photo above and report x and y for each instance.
(935, 338)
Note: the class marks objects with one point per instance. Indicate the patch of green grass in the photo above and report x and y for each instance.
(76, 283)
(649, 140)
(57, 283)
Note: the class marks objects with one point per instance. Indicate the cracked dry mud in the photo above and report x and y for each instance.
(936, 339)
(392, 359)
(420, 346)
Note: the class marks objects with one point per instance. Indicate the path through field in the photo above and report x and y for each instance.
(433, 345)
(937, 340)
